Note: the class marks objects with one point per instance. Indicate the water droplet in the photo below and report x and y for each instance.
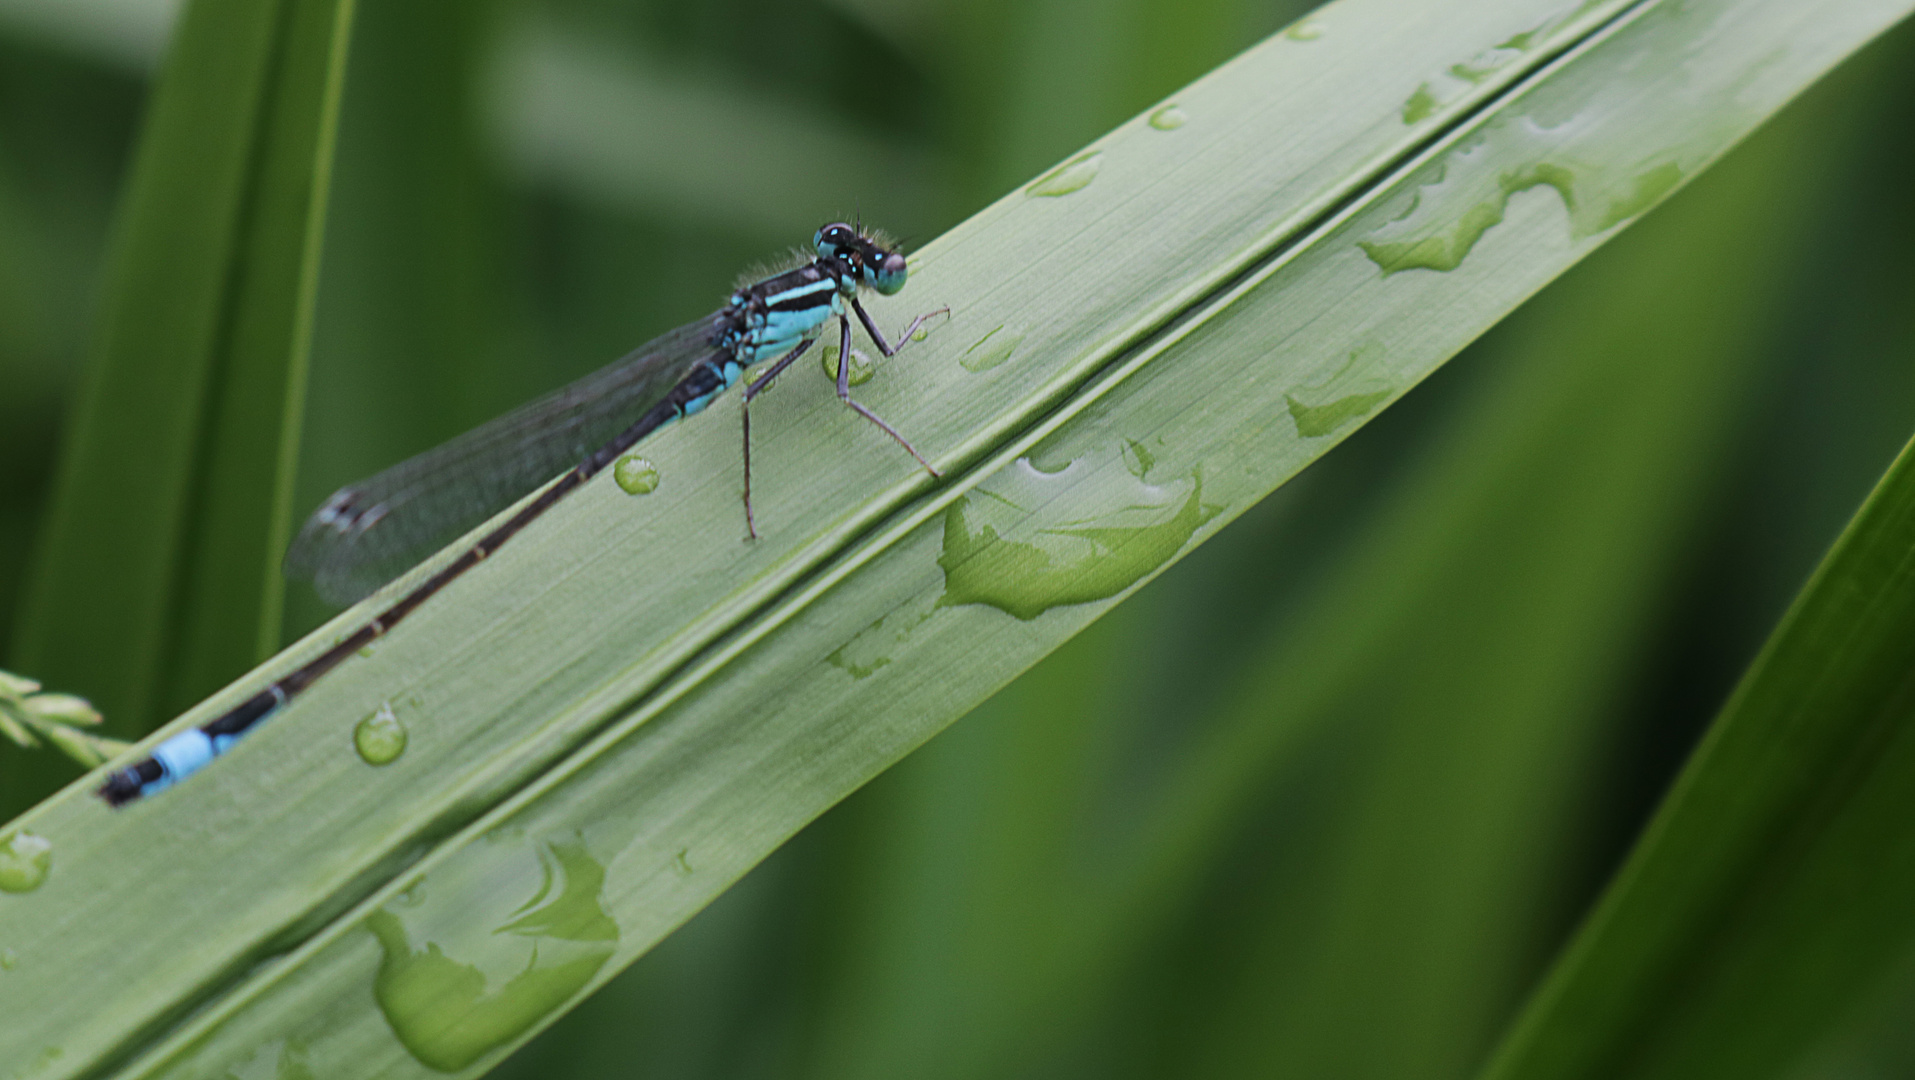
(1477, 69)
(25, 860)
(9, 960)
(871, 648)
(857, 668)
(1138, 458)
(991, 350)
(510, 931)
(366, 650)
(1646, 189)
(1028, 540)
(1304, 29)
(1074, 175)
(380, 738)
(861, 369)
(1315, 421)
(276, 1059)
(1467, 192)
(1442, 249)
(1467, 195)
(1421, 105)
(682, 861)
(635, 475)
(919, 334)
(1168, 118)
(1457, 79)
(1350, 393)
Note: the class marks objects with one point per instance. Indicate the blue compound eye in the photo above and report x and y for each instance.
(888, 276)
(832, 239)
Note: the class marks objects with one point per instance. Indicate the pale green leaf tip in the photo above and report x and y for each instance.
(16, 686)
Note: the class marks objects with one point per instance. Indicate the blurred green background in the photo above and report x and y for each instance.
(1196, 841)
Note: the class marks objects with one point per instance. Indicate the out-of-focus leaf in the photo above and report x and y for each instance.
(1772, 900)
(157, 574)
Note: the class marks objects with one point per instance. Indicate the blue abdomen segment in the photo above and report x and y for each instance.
(183, 755)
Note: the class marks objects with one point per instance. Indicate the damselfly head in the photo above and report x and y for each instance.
(880, 268)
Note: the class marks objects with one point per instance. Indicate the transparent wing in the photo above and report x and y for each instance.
(370, 532)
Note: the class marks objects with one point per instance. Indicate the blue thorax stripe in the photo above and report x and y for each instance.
(810, 294)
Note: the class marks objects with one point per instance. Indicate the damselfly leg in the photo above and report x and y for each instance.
(753, 388)
(744, 410)
(877, 336)
(844, 390)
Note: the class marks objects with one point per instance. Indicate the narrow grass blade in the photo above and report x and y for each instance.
(157, 576)
(1768, 907)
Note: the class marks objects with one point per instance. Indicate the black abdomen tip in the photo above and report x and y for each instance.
(124, 785)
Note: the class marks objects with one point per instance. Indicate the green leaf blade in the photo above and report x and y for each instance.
(1773, 888)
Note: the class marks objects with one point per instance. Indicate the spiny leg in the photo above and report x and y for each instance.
(877, 336)
(744, 410)
(844, 383)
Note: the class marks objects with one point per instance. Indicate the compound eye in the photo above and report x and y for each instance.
(889, 274)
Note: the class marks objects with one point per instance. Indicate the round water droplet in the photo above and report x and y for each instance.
(861, 369)
(24, 862)
(8, 959)
(1304, 29)
(380, 738)
(1074, 175)
(1169, 118)
(635, 475)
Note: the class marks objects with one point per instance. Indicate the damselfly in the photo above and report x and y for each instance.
(370, 532)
